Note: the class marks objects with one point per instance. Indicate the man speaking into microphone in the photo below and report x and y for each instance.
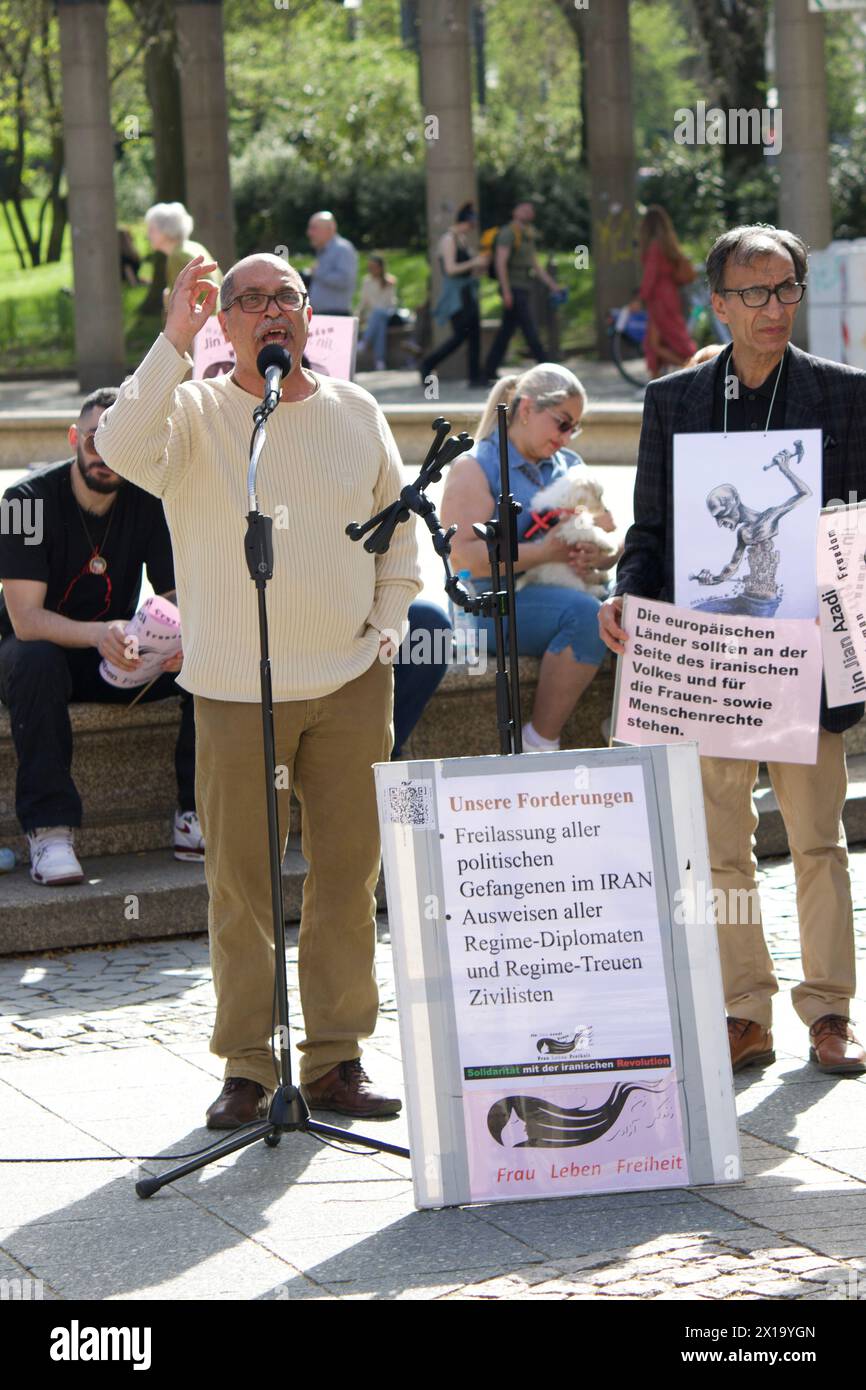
(329, 458)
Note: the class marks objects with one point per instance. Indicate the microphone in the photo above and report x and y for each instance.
(273, 363)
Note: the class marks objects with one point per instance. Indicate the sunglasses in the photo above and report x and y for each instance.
(565, 425)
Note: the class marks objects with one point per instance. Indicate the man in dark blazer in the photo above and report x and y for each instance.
(757, 277)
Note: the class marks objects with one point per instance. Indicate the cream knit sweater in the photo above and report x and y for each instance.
(328, 460)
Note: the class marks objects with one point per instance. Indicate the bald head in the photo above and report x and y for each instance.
(242, 275)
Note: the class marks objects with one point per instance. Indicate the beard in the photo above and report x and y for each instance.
(95, 484)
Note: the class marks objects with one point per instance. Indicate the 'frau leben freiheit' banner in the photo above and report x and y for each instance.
(539, 908)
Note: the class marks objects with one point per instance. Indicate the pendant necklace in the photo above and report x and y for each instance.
(97, 564)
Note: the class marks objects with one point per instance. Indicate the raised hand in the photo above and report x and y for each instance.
(185, 316)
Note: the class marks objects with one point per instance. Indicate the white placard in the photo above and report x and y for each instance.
(746, 512)
(739, 687)
(547, 987)
(842, 602)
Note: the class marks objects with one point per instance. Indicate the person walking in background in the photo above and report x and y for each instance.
(557, 624)
(169, 229)
(332, 276)
(458, 300)
(516, 263)
(666, 269)
(377, 303)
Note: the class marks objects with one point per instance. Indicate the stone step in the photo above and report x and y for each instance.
(128, 897)
(125, 897)
(611, 431)
(123, 760)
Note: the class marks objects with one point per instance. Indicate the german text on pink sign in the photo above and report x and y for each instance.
(739, 687)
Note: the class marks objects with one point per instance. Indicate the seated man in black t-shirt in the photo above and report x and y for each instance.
(71, 574)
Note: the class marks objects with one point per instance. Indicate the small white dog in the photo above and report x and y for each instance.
(577, 499)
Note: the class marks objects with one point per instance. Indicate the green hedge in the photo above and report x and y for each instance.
(275, 193)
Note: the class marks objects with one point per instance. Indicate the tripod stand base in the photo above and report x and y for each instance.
(288, 1114)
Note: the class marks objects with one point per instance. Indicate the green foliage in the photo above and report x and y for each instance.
(665, 65)
(845, 56)
(847, 187)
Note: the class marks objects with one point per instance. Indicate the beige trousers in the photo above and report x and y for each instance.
(326, 747)
(810, 799)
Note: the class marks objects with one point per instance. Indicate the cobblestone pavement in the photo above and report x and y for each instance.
(105, 1052)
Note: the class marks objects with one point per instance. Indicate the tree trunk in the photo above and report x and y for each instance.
(57, 204)
(99, 347)
(603, 33)
(162, 85)
(734, 38)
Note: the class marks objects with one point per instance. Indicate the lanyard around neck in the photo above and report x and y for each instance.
(772, 398)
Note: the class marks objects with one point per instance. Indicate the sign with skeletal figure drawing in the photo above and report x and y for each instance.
(537, 948)
(746, 510)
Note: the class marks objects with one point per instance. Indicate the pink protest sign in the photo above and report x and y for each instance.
(213, 354)
(740, 687)
(610, 1135)
(331, 343)
(153, 634)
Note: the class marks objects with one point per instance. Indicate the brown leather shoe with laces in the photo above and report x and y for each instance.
(238, 1103)
(348, 1090)
(751, 1045)
(834, 1047)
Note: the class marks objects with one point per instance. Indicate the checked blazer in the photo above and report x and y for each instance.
(819, 395)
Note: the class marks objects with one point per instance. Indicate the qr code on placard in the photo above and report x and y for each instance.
(411, 803)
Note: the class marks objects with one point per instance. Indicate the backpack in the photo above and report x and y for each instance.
(488, 243)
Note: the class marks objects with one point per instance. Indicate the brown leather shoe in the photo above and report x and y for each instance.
(834, 1047)
(348, 1090)
(239, 1102)
(751, 1045)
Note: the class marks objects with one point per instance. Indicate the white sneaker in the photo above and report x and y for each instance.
(52, 859)
(188, 839)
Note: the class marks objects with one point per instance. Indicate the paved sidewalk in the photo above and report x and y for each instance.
(105, 1052)
(601, 379)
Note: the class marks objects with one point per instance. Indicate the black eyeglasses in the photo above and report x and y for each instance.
(255, 300)
(756, 296)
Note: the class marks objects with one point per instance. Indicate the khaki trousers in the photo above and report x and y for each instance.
(810, 799)
(326, 747)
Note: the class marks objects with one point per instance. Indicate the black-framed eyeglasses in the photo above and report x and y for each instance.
(253, 301)
(756, 296)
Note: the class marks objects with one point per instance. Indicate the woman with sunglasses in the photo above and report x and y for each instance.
(559, 625)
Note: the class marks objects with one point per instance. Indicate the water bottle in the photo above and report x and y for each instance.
(465, 628)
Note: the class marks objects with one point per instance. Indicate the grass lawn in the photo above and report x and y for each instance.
(37, 330)
(37, 312)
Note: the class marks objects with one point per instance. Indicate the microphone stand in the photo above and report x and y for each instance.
(500, 535)
(288, 1110)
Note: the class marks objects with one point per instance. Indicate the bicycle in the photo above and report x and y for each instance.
(627, 329)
